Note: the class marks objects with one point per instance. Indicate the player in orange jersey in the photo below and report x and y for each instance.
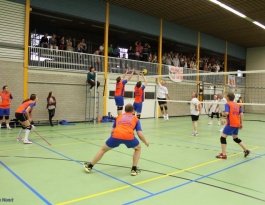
(123, 133)
(120, 89)
(5, 102)
(139, 95)
(234, 122)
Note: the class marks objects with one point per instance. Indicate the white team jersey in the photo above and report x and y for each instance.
(162, 91)
(194, 102)
(222, 103)
(214, 106)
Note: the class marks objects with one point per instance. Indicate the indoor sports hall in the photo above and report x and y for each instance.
(61, 65)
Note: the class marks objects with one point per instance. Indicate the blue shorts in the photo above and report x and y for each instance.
(119, 100)
(113, 142)
(138, 107)
(4, 111)
(230, 130)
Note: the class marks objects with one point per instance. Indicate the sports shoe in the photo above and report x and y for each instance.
(194, 134)
(210, 123)
(246, 153)
(27, 142)
(86, 166)
(221, 130)
(19, 139)
(135, 172)
(33, 127)
(9, 128)
(221, 156)
(219, 124)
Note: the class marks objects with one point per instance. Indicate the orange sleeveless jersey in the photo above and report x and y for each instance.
(234, 114)
(125, 125)
(22, 108)
(5, 99)
(120, 88)
(139, 94)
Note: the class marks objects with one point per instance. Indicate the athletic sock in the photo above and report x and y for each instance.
(27, 135)
(20, 132)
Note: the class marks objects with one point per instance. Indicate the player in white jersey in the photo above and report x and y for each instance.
(195, 111)
(222, 101)
(162, 96)
(214, 110)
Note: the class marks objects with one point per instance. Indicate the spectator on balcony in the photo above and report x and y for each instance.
(116, 52)
(168, 60)
(91, 78)
(101, 49)
(62, 43)
(69, 44)
(154, 58)
(44, 42)
(53, 42)
(74, 44)
(110, 50)
(97, 60)
(83, 45)
(205, 67)
(175, 60)
(131, 53)
(145, 51)
(139, 48)
(79, 48)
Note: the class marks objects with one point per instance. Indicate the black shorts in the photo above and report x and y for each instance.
(215, 113)
(162, 102)
(21, 117)
(194, 118)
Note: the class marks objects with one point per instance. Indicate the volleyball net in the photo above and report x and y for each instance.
(181, 83)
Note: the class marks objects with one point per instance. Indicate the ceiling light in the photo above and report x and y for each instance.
(259, 24)
(228, 8)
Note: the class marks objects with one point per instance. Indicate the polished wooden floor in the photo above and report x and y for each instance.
(177, 168)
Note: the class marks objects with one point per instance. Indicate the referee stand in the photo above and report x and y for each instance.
(92, 103)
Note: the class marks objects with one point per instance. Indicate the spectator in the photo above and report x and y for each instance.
(51, 105)
(69, 44)
(110, 50)
(62, 44)
(101, 49)
(83, 46)
(44, 42)
(53, 42)
(131, 53)
(91, 78)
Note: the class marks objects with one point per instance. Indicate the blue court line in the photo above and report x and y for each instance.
(26, 184)
(78, 162)
(192, 181)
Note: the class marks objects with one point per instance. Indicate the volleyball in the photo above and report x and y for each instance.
(144, 71)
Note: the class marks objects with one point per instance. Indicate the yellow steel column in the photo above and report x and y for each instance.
(106, 42)
(198, 57)
(225, 66)
(160, 48)
(26, 50)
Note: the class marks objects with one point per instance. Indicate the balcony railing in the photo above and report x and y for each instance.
(51, 58)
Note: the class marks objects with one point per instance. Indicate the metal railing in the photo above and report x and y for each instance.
(52, 58)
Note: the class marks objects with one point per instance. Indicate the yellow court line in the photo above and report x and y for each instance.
(145, 181)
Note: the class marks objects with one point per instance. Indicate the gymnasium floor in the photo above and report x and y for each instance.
(177, 168)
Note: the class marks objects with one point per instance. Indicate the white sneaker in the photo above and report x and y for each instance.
(165, 117)
(27, 142)
(221, 130)
(9, 128)
(210, 123)
(218, 123)
(33, 127)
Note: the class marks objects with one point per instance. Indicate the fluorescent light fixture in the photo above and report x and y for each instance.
(259, 24)
(228, 8)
